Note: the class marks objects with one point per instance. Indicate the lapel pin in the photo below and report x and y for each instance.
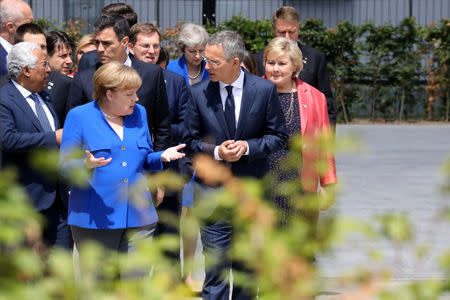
(304, 105)
(50, 83)
(305, 60)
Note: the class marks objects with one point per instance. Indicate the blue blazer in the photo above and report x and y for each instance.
(152, 95)
(117, 195)
(179, 66)
(261, 123)
(22, 134)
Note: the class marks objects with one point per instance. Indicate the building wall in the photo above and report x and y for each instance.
(330, 11)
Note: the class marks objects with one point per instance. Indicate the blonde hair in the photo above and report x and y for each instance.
(114, 76)
(87, 39)
(280, 46)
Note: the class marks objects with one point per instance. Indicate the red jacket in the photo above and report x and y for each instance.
(315, 129)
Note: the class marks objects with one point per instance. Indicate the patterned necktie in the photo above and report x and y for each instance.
(229, 111)
(41, 113)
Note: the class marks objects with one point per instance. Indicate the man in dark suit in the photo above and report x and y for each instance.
(58, 84)
(145, 45)
(111, 39)
(235, 117)
(13, 14)
(122, 9)
(286, 23)
(29, 123)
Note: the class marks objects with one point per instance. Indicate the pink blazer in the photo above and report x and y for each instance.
(315, 128)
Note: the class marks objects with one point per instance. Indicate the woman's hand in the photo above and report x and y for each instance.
(172, 153)
(91, 162)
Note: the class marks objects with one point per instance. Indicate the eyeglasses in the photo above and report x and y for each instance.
(45, 64)
(195, 52)
(211, 62)
(148, 46)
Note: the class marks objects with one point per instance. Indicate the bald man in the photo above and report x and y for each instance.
(13, 13)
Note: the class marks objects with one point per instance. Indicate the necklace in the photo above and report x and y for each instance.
(290, 112)
(109, 116)
(196, 76)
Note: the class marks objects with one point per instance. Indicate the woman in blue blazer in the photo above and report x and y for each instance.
(191, 42)
(113, 133)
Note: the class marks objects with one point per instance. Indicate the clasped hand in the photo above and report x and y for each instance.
(231, 150)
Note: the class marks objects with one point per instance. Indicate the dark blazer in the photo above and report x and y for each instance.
(58, 86)
(3, 71)
(89, 60)
(315, 72)
(261, 123)
(22, 134)
(152, 95)
(178, 95)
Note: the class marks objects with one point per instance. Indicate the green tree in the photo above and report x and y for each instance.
(378, 47)
(437, 37)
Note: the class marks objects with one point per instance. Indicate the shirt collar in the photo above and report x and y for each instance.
(128, 61)
(25, 93)
(7, 45)
(238, 83)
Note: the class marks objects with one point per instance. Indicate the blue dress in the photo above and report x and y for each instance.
(116, 195)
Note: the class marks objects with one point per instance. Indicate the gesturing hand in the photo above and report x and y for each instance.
(91, 162)
(172, 153)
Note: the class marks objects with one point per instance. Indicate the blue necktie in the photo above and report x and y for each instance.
(42, 117)
(229, 111)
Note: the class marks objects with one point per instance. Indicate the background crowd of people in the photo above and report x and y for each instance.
(121, 114)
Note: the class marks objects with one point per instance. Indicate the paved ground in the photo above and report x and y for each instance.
(396, 171)
(399, 171)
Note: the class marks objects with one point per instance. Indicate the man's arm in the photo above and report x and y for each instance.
(324, 86)
(193, 133)
(160, 115)
(178, 122)
(14, 140)
(274, 134)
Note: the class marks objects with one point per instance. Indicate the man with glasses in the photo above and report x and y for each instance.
(145, 45)
(235, 118)
(28, 123)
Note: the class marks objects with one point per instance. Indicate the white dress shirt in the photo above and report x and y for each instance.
(26, 94)
(238, 87)
(7, 45)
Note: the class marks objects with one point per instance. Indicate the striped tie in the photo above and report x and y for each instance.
(41, 113)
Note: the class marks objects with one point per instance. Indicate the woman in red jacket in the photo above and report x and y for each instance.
(305, 111)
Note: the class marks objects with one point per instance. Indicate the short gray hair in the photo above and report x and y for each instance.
(192, 35)
(9, 13)
(232, 43)
(21, 55)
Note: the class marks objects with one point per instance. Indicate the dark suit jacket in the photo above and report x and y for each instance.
(88, 60)
(261, 123)
(152, 95)
(58, 86)
(315, 72)
(22, 134)
(3, 71)
(178, 95)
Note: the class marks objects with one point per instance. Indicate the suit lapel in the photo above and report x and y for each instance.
(246, 103)
(23, 104)
(212, 93)
(48, 101)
